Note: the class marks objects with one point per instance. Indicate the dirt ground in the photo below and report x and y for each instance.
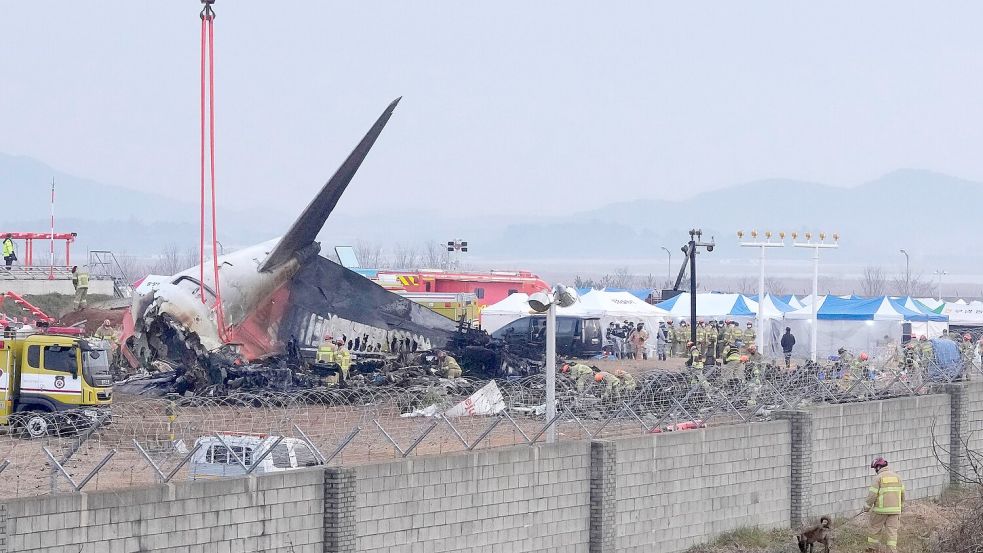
(921, 523)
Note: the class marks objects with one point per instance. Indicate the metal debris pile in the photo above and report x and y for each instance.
(223, 371)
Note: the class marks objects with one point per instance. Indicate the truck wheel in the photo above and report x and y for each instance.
(33, 425)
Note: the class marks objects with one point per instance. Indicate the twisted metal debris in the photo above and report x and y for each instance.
(149, 440)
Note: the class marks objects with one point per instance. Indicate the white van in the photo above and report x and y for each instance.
(214, 460)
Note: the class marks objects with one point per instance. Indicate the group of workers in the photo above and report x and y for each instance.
(630, 340)
(335, 352)
(614, 384)
(627, 340)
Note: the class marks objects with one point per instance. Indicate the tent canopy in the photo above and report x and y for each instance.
(708, 305)
(837, 308)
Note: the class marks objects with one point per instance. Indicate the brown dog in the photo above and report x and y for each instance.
(821, 533)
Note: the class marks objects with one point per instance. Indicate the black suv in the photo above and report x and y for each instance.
(578, 337)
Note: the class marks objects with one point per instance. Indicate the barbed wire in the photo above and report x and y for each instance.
(147, 440)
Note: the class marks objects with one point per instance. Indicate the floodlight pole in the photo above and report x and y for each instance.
(695, 239)
(816, 246)
(759, 320)
(940, 272)
(668, 265)
(551, 371)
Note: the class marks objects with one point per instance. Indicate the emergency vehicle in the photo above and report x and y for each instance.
(49, 382)
(489, 288)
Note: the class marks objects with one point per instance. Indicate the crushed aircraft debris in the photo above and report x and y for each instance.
(278, 298)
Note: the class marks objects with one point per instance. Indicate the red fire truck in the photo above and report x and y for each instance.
(488, 288)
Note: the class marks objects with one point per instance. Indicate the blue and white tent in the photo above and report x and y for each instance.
(709, 306)
(774, 307)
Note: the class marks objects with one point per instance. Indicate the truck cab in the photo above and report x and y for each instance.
(47, 380)
(578, 337)
(220, 458)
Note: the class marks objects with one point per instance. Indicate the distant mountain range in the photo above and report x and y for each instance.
(932, 215)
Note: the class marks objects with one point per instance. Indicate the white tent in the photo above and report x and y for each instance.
(970, 314)
(620, 306)
(516, 306)
(773, 307)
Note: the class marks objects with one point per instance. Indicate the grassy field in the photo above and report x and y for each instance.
(920, 524)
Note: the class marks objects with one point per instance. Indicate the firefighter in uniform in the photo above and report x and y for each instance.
(612, 385)
(326, 355)
(673, 338)
(581, 374)
(80, 280)
(711, 338)
(628, 383)
(344, 359)
(701, 336)
(926, 353)
(748, 336)
(684, 338)
(696, 358)
(885, 500)
(448, 365)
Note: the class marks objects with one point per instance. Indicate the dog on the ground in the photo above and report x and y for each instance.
(821, 533)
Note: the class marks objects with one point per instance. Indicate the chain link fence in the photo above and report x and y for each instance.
(143, 441)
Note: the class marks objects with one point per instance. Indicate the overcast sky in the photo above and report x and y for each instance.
(510, 105)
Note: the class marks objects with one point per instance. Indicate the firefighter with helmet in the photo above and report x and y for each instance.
(448, 365)
(885, 501)
(612, 385)
(628, 383)
(580, 373)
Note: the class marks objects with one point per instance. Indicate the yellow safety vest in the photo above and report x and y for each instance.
(344, 360)
(83, 280)
(325, 353)
(890, 493)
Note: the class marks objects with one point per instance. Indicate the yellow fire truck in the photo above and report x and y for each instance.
(51, 383)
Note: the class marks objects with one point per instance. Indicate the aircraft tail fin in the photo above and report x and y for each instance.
(304, 230)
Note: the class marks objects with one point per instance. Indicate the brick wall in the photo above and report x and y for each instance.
(514, 499)
(679, 489)
(847, 437)
(280, 513)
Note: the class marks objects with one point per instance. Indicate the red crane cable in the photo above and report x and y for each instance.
(208, 46)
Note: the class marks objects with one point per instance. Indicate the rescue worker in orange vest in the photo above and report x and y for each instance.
(884, 502)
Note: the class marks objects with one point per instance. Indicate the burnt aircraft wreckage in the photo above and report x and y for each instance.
(278, 299)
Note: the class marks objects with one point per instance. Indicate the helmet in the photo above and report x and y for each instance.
(689, 344)
(745, 359)
(879, 463)
(669, 322)
(598, 377)
(565, 368)
(863, 356)
(107, 322)
(922, 337)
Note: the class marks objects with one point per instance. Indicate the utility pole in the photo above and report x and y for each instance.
(695, 241)
(907, 274)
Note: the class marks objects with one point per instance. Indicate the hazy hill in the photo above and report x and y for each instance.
(932, 215)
